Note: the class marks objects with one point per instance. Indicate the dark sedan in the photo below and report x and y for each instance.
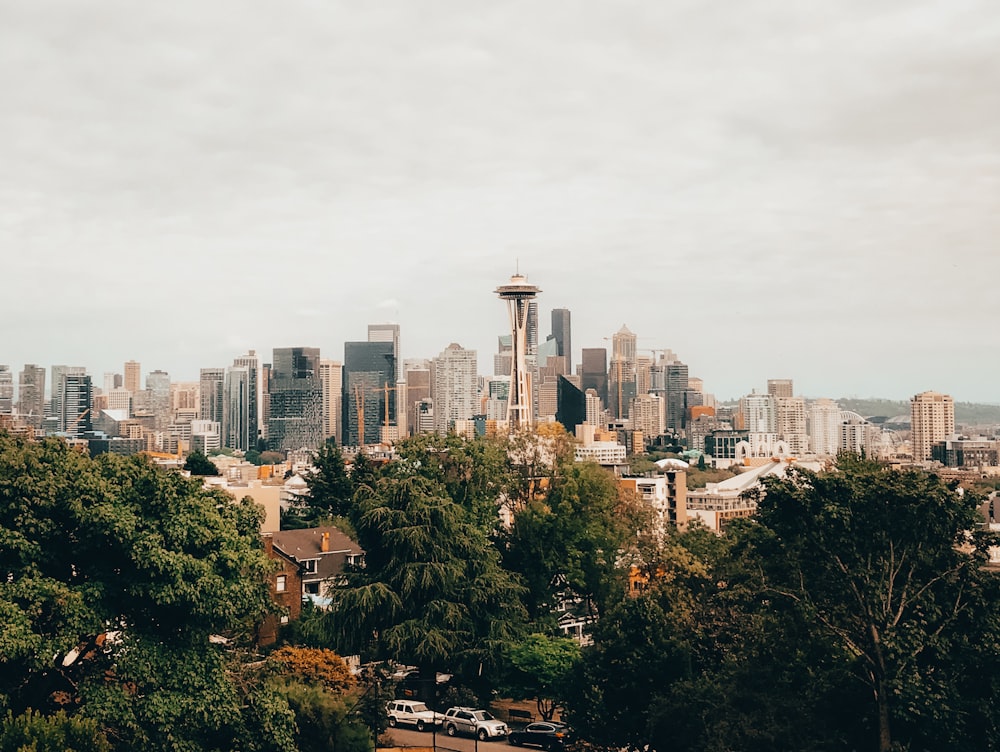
(545, 734)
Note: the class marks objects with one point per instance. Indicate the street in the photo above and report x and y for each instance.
(405, 737)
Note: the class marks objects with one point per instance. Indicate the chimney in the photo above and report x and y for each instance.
(324, 542)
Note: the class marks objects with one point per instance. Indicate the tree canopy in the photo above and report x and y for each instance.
(120, 569)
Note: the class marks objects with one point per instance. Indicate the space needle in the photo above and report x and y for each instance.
(518, 294)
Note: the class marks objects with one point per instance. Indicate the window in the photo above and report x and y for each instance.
(284, 619)
(281, 583)
(310, 565)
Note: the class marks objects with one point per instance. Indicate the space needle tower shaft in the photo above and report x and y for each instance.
(518, 294)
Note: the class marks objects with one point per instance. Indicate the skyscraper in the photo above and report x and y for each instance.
(385, 332)
(59, 374)
(31, 395)
(296, 420)
(561, 332)
(158, 386)
(252, 417)
(331, 375)
(519, 296)
(594, 372)
(932, 418)
(211, 388)
(6, 390)
(824, 427)
(76, 396)
(239, 427)
(456, 390)
(132, 376)
(621, 375)
(780, 388)
(369, 379)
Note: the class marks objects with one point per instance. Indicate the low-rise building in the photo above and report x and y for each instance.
(322, 553)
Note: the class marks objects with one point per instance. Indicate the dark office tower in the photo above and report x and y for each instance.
(594, 372)
(31, 395)
(211, 391)
(677, 387)
(561, 332)
(369, 377)
(76, 397)
(6, 390)
(296, 420)
(571, 404)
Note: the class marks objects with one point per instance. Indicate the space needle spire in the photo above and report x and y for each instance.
(518, 294)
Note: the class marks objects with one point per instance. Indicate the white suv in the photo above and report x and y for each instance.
(412, 713)
(479, 723)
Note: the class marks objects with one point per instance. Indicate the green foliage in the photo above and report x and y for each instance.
(331, 490)
(323, 719)
(33, 732)
(475, 474)
(432, 593)
(197, 463)
(880, 562)
(572, 539)
(117, 543)
(539, 668)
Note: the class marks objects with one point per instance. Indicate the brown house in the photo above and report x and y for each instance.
(321, 553)
(286, 592)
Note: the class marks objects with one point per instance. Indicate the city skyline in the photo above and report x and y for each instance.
(770, 191)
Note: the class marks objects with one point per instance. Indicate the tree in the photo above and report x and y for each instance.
(197, 463)
(432, 592)
(572, 539)
(125, 571)
(539, 668)
(33, 732)
(331, 490)
(885, 564)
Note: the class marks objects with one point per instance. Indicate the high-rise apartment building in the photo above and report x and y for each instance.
(296, 420)
(792, 425)
(369, 379)
(456, 387)
(133, 378)
(646, 414)
(331, 375)
(31, 395)
(561, 331)
(824, 427)
(932, 418)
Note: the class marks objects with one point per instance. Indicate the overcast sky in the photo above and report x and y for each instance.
(771, 189)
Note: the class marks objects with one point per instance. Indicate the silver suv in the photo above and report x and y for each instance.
(479, 723)
(412, 713)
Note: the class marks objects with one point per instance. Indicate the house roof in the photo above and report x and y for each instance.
(308, 542)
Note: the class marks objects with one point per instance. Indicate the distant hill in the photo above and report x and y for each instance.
(966, 413)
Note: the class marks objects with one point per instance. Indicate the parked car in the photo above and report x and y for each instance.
(548, 735)
(412, 713)
(472, 721)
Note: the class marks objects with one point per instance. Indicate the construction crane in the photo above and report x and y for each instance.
(359, 393)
